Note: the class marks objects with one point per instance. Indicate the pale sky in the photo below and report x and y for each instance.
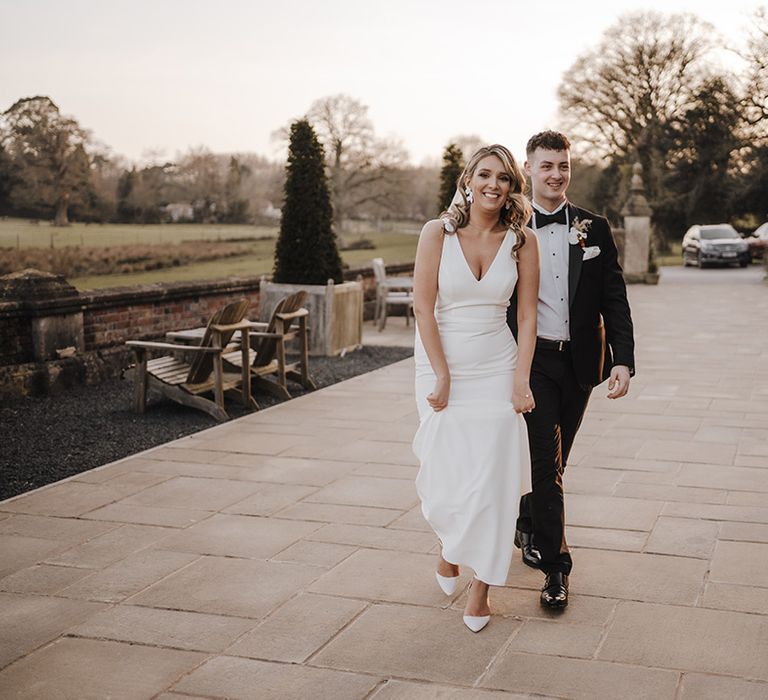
(164, 75)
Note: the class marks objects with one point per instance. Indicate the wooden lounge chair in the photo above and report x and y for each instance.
(267, 356)
(185, 382)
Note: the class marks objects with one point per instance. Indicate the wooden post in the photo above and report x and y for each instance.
(328, 320)
(218, 371)
(281, 354)
(140, 381)
(304, 347)
(245, 346)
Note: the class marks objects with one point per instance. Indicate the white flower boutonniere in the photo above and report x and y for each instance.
(577, 235)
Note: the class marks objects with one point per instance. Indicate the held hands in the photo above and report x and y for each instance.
(618, 382)
(438, 399)
(522, 398)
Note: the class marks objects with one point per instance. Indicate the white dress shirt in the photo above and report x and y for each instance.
(552, 315)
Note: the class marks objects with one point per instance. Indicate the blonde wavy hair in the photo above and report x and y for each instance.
(516, 211)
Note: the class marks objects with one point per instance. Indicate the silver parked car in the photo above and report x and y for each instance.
(714, 244)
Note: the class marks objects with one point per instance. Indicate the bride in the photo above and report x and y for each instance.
(471, 375)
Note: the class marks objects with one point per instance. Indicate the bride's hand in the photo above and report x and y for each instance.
(438, 399)
(522, 398)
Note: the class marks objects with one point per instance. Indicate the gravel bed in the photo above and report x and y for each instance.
(46, 439)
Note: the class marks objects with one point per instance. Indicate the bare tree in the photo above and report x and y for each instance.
(418, 199)
(201, 177)
(751, 189)
(363, 170)
(263, 187)
(618, 97)
(49, 151)
(756, 79)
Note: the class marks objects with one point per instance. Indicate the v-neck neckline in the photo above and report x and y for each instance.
(493, 262)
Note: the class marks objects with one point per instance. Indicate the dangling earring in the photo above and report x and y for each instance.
(470, 196)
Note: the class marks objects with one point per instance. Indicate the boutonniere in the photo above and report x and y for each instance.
(577, 235)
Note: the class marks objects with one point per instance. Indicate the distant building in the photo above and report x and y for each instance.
(178, 211)
(271, 212)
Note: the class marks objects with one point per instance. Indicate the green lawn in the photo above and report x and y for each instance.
(21, 233)
(393, 247)
(396, 244)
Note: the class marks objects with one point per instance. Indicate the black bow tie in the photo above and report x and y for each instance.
(543, 219)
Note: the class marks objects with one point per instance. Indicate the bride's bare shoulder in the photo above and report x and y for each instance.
(432, 230)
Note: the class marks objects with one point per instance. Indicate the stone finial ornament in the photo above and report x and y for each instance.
(637, 204)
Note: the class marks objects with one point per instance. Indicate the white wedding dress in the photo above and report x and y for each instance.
(474, 453)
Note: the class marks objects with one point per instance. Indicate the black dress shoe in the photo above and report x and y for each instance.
(555, 591)
(531, 555)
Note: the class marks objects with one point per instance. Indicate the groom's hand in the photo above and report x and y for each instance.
(618, 382)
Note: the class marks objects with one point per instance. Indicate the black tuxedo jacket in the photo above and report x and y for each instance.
(600, 319)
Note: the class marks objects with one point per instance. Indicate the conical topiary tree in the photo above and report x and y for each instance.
(306, 251)
(453, 164)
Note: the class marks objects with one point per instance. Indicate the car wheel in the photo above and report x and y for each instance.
(743, 263)
(699, 261)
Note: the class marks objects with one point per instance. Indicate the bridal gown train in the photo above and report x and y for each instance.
(474, 453)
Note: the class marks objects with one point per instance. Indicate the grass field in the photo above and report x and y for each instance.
(396, 243)
(21, 233)
(393, 247)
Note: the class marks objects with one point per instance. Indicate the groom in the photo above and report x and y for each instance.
(584, 337)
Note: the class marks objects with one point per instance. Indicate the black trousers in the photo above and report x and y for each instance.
(552, 426)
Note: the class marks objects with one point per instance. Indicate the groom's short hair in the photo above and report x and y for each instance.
(548, 140)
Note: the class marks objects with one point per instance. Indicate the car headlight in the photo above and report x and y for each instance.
(706, 246)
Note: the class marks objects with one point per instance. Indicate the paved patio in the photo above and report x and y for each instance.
(284, 555)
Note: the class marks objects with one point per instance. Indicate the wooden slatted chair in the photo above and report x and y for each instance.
(186, 382)
(267, 356)
(386, 295)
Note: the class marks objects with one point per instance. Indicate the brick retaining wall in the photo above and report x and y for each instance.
(112, 316)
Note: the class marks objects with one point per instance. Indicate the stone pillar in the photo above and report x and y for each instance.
(637, 227)
(52, 307)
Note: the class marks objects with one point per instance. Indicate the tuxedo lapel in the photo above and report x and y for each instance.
(575, 257)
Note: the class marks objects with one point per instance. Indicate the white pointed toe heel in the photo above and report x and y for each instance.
(447, 583)
(476, 623)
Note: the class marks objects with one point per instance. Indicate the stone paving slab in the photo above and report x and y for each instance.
(405, 690)
(298, 629)
(688, 638)
(27, 621)
(128, 576)
(42, 579)
(164, 628)
(89, 670)
(230, 677)
(229, 586)
(696, 686)
(413, 642)
(284, 555)
(581, 679)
